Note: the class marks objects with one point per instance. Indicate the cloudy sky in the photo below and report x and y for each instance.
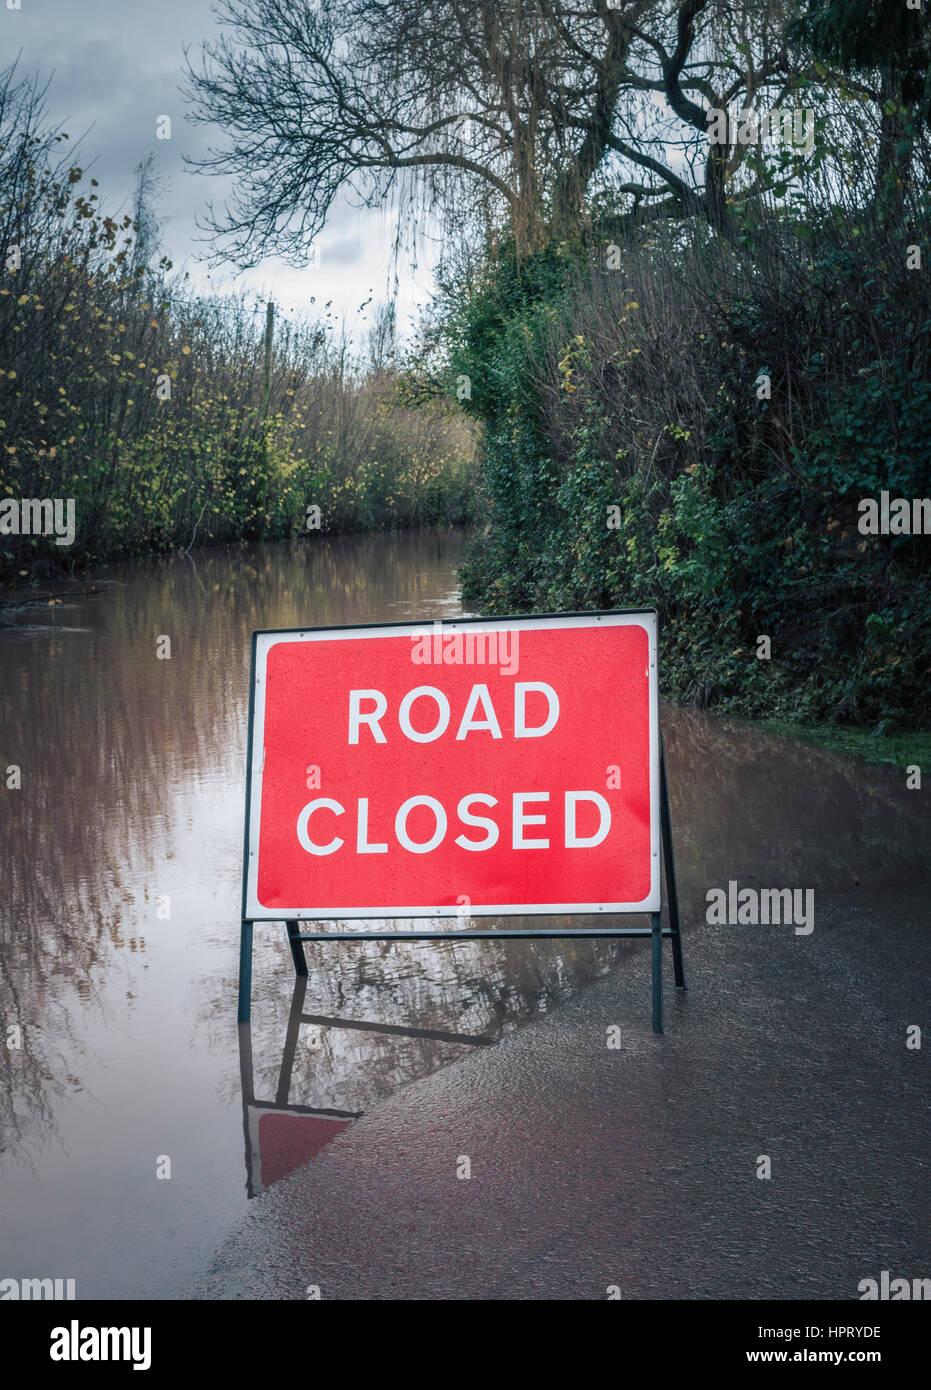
(115, 66)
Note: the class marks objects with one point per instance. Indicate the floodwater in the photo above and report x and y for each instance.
(136, 1120)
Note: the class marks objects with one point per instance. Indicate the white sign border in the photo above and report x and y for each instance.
(263, 641)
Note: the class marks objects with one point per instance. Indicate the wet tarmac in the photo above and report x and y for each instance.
(637, 1170)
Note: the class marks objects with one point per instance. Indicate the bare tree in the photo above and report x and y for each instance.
(382, 337)
(541, 114)
(150, 187)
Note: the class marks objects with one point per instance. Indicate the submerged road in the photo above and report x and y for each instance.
(635, 1167)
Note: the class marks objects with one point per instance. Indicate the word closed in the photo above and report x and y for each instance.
(519, 795)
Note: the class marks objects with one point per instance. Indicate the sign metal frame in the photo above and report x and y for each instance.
(662, 866)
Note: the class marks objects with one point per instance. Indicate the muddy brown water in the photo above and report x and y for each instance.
(130, 1064)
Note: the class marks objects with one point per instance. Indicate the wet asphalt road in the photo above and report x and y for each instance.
(637, 1167)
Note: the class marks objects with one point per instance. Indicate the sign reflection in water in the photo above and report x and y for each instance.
(281, 1134)
(346, 1040)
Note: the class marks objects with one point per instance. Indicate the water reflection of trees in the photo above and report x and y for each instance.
(106, 734)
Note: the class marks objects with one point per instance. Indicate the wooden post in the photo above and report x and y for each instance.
(269, 332)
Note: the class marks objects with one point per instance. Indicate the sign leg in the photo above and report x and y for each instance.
(669, 864)
(656, 924)
(297, 948)
(248, 1096)
(291, 1040)
(245, 971)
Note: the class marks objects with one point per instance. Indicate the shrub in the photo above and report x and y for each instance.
(737, 515)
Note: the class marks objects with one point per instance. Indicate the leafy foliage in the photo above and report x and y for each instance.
(736, 513)
(145, 404)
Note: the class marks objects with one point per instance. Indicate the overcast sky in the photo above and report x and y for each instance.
(115, 66)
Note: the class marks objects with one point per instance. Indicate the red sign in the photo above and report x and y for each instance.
(282, 1140)
(471, 768)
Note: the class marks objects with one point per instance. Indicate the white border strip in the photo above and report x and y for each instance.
(254, 911)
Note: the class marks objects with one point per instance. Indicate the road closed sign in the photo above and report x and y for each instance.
(458, 769)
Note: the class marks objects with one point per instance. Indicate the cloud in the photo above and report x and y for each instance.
(347, 251)
(116, 66)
